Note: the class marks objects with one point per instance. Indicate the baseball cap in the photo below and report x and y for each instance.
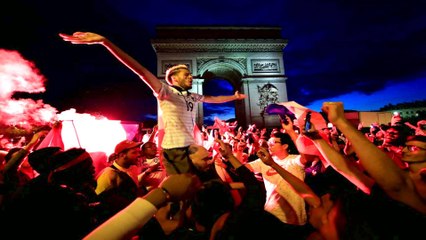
(124, 145)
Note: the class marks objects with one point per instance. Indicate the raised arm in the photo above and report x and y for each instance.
(342, 165)
(153, 134)
(128, 221)
(255, 193)
(379, 166)
(222, 99)
(18, 157)
(92, 38)
(298, 185)
(226, 152)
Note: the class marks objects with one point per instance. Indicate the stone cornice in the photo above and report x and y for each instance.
(219, 45)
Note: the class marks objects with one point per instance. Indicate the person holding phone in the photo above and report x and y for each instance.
(281, 200)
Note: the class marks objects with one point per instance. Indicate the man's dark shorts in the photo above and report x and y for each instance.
(176, 160)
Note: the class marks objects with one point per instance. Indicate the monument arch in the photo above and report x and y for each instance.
(250, 58)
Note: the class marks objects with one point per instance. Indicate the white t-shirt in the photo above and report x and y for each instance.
(281, 199)
(176, 116)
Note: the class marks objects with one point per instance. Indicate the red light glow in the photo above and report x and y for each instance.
(20, 75)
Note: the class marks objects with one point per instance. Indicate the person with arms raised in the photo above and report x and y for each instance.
(177, 105)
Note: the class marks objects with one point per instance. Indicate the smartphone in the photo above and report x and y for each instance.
(174, 210)
(308, 123)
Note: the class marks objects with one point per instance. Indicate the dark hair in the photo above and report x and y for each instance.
(286, 139)
(402, 134)
(63, 158)
(211, 201)
(258, 224)
(62, 210)
(84, 169)
(250, 138)
(40, 158)
(375, 129)
(144, 146)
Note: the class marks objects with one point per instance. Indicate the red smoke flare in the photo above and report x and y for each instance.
(20, 75)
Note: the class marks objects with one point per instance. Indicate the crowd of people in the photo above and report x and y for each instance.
(229, 182)
(237, 186)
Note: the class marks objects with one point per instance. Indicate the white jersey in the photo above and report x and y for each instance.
(281, 199)
(176, 116)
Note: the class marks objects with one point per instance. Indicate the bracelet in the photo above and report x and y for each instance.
(166, 194)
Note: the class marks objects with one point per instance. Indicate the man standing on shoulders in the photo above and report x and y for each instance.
(177, 106)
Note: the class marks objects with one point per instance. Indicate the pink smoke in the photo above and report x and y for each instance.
(20, 75)
(96, 134)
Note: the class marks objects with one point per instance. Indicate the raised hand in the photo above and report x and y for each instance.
(224, 149)
(287, 123)
(264, 155)
(38, 136)
(334, 111)
(83, 38)
(239, 96)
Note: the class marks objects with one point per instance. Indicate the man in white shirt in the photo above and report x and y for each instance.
(281, 199)
(177, 106)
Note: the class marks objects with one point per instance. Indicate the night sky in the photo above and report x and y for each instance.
(364, 53)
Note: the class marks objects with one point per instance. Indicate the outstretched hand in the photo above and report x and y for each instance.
(239, 96)
(83, 38)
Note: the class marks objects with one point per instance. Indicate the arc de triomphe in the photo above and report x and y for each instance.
(249, 58)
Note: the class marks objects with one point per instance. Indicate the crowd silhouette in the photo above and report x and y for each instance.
(346, 189)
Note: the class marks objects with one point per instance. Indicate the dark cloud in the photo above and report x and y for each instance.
(334, 47)
(360, 46)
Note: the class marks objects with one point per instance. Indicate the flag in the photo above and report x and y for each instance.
(53, 138)
(300, 113)
(279, 110)
(306, 146)
(303, 143)
(221, 125)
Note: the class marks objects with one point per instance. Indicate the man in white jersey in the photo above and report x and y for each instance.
(177, 105)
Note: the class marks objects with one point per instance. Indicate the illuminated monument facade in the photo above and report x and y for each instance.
(249, 58)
